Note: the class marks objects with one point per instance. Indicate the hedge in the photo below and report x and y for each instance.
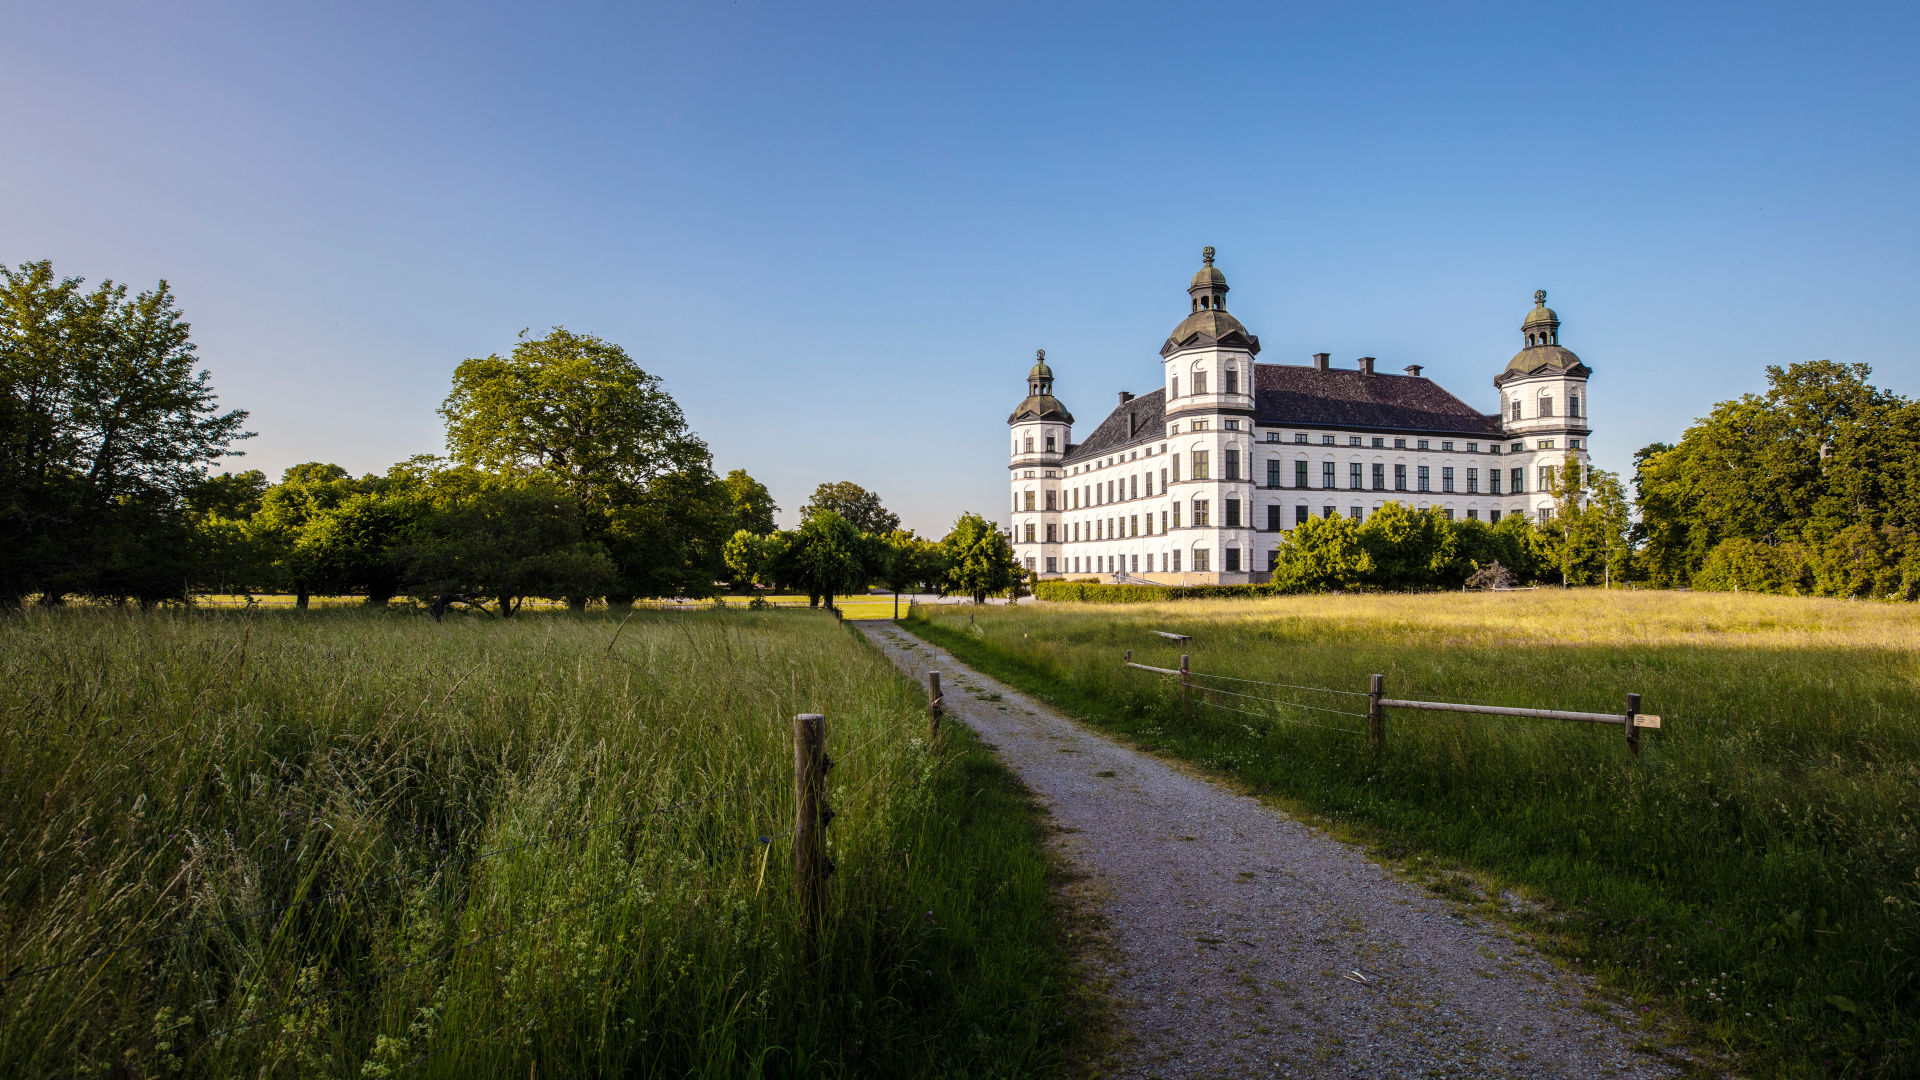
(1092, 592)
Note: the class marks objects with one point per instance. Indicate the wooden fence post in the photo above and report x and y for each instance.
(810, 817)
(1633, 729)
(936, 706)
(1186, 687)
(1376, 716)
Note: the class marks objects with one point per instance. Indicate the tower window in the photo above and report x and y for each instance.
(1516, 408)
(1049, 444)
(1029, 444)
(1199, 382)
(1546, 406)
(1573, 404)
(1233, 381)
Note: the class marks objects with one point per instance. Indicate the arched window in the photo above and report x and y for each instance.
(1029, 444)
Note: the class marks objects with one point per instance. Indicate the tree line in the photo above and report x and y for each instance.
(569, 473)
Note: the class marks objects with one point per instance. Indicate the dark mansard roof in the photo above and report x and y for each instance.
(1306, 396)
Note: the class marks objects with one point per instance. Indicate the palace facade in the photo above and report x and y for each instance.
(1198, 481)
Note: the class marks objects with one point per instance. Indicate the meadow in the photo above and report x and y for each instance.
(359, 843)
(1753, 873)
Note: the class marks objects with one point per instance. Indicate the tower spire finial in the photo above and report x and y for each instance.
(1039, 354)
(1540, 296)
(1206, 254)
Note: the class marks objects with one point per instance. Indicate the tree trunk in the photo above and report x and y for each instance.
(619, 603)
(577, 604)
(506, 606)
(300, 596)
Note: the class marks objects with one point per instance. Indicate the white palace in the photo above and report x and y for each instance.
(1196, 482)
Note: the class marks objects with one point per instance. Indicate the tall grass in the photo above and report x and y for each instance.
(1755, 869)
(351, 844)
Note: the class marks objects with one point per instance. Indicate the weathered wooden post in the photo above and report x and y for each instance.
(1633, 729)
(936, 706)
(810, 816)
(1376, 716)
(1186, 687)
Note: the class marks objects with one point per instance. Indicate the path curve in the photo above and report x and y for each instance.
(1249, 944)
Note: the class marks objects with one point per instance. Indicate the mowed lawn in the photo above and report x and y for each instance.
(863, 606)
(1754, 872)
(355, 843)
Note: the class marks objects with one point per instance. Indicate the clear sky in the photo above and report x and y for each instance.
(838, 233)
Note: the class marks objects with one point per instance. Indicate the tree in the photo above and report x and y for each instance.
(577, 408)
(1323, 553)
(753, 506)
(978, 558)
(909, 563)
(304, 493)
(361, 544)
(1409, 549)
(105, 427)
(860, 507)
(506, 537)
(825, 557)
(746, 556)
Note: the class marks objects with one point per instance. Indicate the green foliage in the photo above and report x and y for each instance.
(828, 557)
(753, 506)
(1093, 592)
(106, 431)
(1753, 862)
(531, 847)
(1751, 566)
(861, 508)
(912, 563)
(1400, 548)
(1821, 452)
(978, 558)
(505, 537)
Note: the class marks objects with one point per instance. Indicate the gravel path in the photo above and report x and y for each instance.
(1248, 944)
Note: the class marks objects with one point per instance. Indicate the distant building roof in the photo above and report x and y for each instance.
(1132, 422)
(1309, 397)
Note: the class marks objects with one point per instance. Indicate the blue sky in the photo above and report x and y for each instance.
(839, 232)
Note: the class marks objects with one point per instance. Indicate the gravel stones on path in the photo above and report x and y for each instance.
(1248, 944)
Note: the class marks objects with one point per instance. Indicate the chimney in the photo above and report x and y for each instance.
(1125, 396)
(1366, 365)
(1320, 361)
(1413, 370)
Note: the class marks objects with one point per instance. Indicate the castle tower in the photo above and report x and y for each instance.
(1543, 411)
(1042, 431)
(1209, 377)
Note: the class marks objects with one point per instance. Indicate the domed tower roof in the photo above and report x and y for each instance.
(1040, 404)
(1542, 353)
(1208, 323)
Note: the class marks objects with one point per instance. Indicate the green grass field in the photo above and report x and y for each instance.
(1752, 873)
(864, 606)
(357, 843)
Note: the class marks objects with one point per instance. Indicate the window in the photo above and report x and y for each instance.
(1423, 481)
(1176, 515)
(1136, 564)
(1273, 559)
(1546, 478)
(1273, 472)
(1299, 436)
(1273, 518)
(1516, 408)
(1232, 462)
(1133, 524)
(1233, 559)
(1449, 512)
(1299, 474)
(1232, 383)
(1300, 514)
(1446, 478)
(1573, 444)
(1446, 446)
(1353, 513)
(1519, 481)
(1326, 474)
(1546, 408)
(1379, 442)
(1173, 387)
(1473, 481)
(1273, 436)
(1176, 468)
(1199, 382)
(1149, 491)
(1493, 481)
(1233, 425)
(1546, 444)
(1110, 497)
(1029, 500)
(1200, 466)
(1050, 444)
(1201, 517)
(1163, 518)
(1176, 562)
(1029, 444)
(1355, 471)
(1200, 561)
(1053, 534)
(1473, 448)
(1422, 445)
(1353, 440)
(1053, 500)
(1546, 514)
(1493, 515)
(1379, 477)
(1473, 515)
(1399, 478)
(1233, 513)
(1133, 485)
(1399, 444)
(1029, 532)
(1519, 446)
(1053, 565)
(1163, 477)
(1029, 562)
(1326, 511)
(1573, 404)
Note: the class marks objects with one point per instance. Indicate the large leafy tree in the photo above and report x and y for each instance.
(577, 408)
(305, 493)
(861, 508)
(506, 537)
(753, 506)
(105, 428)
(978, 559)
(1322, 554)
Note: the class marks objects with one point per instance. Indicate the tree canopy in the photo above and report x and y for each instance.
(861, 508)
